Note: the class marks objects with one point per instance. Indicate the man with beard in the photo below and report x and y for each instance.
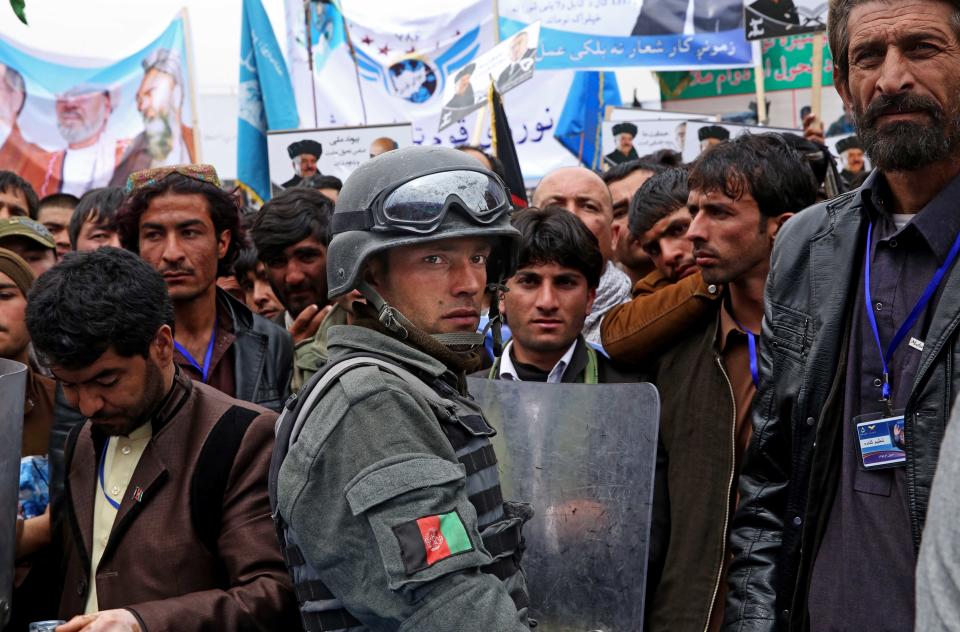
(90, 158)
(291, 233)
(854, 166)
(166, 503)
(860, 336)
(165, 139)
(741, 193)
(623, 133)
(304, 155)
(188, 228)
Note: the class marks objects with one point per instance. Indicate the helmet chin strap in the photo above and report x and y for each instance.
(398, 324)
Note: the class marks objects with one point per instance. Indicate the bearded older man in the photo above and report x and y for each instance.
(165, 140)
(90, 158)
(860, 344)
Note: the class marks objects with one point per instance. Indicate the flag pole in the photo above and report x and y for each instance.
(309, 31)
(816, 87)
(191, 85)
(759, 81)
(356, 66)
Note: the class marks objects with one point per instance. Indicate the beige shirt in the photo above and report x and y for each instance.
(120, 459)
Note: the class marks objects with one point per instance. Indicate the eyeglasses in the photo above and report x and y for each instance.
(419, 205)
(147, 177)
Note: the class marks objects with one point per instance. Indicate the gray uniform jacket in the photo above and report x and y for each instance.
(370, 460)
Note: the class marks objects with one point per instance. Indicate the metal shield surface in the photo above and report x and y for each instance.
(13, 384)
(584, 457)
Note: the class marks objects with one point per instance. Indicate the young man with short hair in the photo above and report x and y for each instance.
(94, 220)
(659, 218)
(181, 222)
(624, 180)
(708, 378)
(54, 213)
(17, 197)
(251, 275)
(166, 503)
(547, 300)
(584, 193)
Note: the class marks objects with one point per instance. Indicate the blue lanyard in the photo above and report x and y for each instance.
(914, 314)
(103, 460)
(205, 369)
(752, 346)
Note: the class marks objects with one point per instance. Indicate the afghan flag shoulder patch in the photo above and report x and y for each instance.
(428, 540)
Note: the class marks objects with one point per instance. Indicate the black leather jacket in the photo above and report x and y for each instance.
(789, 478)
(263, 356)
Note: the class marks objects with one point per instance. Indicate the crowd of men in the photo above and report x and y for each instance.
(803, 345)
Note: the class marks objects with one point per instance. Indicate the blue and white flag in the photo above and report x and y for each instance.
(581, 125)
(266, 99)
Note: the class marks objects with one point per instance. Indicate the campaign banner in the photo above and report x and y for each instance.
(67, 125)
(337, 151)
(406, 53)
(506, 65)
(772, 18)
(631, 139)
(601, 34)
(787, 65)
(701, 135)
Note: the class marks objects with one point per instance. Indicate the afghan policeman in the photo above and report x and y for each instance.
(386, 488)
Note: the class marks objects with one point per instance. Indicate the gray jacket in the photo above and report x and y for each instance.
(789, 477)
(938, 569)
(371, 460)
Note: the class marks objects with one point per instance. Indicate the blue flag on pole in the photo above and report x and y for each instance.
(266, 99)
(581, 121)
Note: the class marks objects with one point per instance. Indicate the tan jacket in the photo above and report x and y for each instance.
(660, 313)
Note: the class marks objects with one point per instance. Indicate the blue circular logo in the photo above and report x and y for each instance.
(412, 79)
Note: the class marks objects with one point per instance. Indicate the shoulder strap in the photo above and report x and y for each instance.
(298, 408)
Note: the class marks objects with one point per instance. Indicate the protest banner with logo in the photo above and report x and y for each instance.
(406, 54)
(598, 34)
(71, 124)
(506, 65)
(335, 151)
(786, 66)
(772, 18)
(702, 134)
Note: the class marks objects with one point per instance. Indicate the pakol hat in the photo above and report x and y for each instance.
(17, 269)
(311, 147)
(624, 128)
(713, 131)
(850, 142)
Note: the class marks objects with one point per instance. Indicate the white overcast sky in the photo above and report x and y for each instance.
(113, 29)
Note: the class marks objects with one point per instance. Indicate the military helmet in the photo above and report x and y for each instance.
(416, 195)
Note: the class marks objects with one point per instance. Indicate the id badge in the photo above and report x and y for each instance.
(881, 439)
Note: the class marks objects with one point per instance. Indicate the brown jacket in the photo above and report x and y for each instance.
(660, 312)
(193, 546)
(41, 168)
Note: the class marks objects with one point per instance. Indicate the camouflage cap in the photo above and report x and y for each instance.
(26, 227)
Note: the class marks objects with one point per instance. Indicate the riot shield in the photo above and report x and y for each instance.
(13, 385)
(584, 456)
